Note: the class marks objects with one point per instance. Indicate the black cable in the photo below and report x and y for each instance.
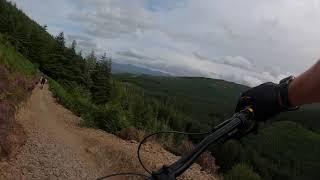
(144, 139)
(122, 174)
(162, 132)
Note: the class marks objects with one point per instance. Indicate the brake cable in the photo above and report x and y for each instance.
(139, 157)
(162, 132)
(122, 174)
(239, 125)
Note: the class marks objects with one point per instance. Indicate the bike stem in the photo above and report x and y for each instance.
(240, 124)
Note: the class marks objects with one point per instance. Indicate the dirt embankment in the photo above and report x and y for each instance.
(58, 148)
(14, 89)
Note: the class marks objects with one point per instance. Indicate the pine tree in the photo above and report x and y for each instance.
(45, 27)
(101, 78)
(73, 46)
(90, 64)
(60, 40)
(80, 53)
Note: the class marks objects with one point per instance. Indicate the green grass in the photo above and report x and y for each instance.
(18, 73)
(14, 61)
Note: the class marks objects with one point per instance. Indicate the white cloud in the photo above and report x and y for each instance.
(238, 61)
(247, 42)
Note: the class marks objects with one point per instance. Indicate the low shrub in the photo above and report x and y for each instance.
(206, 160)
(131, 133)
(242, 172)
(109, 117)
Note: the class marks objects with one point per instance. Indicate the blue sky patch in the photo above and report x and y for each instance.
(164, 5)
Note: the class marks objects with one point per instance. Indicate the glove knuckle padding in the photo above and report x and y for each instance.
(263, 99)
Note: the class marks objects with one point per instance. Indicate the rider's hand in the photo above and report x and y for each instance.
(263, 99)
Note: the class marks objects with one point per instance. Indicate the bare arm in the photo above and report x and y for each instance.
(305, 89)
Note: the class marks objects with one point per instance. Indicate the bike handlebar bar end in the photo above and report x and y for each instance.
(250, 109)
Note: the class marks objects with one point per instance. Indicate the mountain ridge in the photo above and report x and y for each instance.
(119, 68)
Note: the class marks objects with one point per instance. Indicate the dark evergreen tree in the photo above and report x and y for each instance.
(60, 40)
(90, 63)
(101, 78)
(73, 46)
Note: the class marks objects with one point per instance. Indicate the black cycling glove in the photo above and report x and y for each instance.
(264, 99)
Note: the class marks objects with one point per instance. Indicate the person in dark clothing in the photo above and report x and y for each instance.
(43, 80)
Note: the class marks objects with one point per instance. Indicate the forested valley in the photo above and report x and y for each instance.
(286, 147)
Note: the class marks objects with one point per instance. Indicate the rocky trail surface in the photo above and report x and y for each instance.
(57, 147)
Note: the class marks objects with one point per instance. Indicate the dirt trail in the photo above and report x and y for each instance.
(58, 148)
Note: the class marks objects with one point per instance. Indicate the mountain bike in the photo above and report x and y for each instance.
(239, 125)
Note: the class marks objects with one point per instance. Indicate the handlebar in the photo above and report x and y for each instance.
(239, 125)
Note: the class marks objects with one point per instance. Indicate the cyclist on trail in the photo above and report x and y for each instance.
(43, 80)
(270, 99)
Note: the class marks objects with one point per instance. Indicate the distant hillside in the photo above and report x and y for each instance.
(118, 68)
(213, 99)
(208, 101)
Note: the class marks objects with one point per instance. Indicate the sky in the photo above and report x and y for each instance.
(244, 41)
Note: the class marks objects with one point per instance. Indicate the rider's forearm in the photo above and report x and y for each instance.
(305, 89)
